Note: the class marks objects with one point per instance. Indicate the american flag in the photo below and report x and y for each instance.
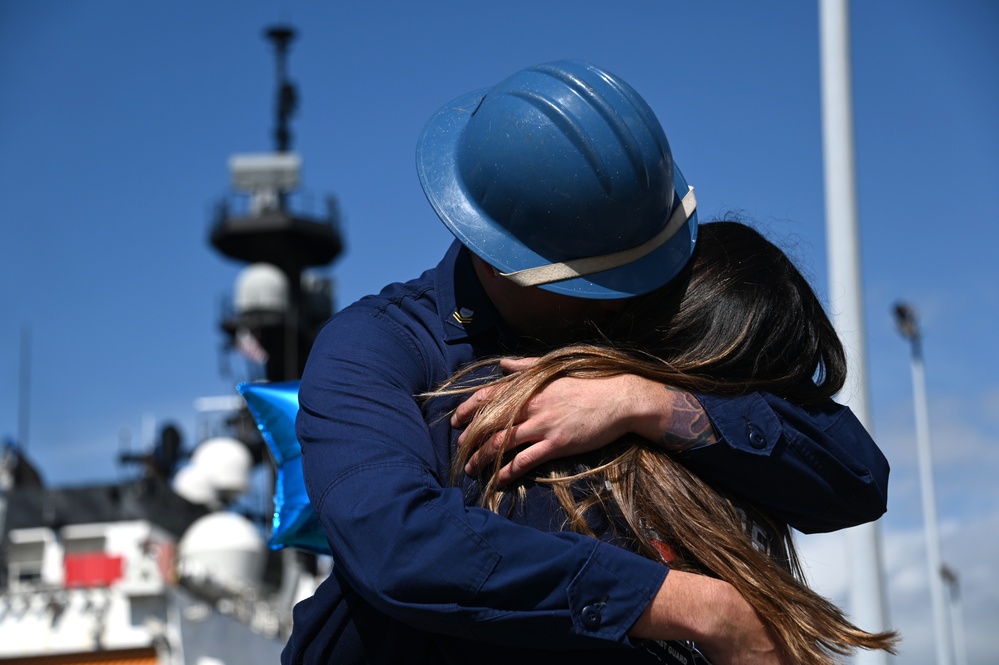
(248, 345)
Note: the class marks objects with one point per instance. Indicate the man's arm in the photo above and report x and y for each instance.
(574, 415)
(814, 467)
(406, 543)
(713, 614)
(404, 540)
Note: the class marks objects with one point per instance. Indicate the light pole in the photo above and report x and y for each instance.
(957, 615)
(908, 326)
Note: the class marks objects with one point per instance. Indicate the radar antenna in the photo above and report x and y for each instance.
(287, 95)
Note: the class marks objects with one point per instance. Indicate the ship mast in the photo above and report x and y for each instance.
(280, 231)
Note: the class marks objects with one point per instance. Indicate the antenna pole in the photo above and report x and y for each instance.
(24, 408)
(287, 97)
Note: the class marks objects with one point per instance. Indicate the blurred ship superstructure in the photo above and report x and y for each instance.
(281, 232)
(132, 572)
(168, 567)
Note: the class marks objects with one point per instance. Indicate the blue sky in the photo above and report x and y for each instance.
(117, 119)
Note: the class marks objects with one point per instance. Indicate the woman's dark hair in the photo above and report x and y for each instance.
(739, 318)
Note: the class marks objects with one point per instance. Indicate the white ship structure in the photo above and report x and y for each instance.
(170, 567)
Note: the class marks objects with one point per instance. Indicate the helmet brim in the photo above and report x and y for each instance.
(437, 166)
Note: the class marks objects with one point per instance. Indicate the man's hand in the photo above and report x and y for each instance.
(714, 615)
(572, 416)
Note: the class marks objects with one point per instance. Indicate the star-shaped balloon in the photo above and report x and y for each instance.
(274, 406)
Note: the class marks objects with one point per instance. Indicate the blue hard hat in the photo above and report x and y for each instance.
(561, 176)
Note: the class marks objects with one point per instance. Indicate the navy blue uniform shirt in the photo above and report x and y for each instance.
(415, 568)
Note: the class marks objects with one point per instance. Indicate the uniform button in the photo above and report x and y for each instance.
(756, 438)
(591, 616)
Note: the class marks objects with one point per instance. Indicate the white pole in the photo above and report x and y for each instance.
(867, 598)
(933, 557)
(956, 616)
(960, 643)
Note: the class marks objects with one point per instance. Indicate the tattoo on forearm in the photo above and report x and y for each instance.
(690, 426)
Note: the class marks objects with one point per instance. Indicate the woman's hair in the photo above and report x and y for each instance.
(740, 318)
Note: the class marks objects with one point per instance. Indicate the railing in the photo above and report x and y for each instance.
(323, 209)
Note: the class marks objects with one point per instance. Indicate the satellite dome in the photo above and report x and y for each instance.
(225, 462)
(261, 287)
(223, 546)
(192, 484)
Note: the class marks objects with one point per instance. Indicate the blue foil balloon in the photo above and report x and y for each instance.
(274, 406)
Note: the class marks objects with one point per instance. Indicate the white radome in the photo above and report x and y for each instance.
(261, 287)
(225, 463)
(224, 546)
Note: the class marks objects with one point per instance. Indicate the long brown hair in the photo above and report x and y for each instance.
(741, 318)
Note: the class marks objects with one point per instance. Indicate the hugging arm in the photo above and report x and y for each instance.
(404, 540)
(814, 467)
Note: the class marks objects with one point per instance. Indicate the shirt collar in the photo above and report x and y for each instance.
(463, 305)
